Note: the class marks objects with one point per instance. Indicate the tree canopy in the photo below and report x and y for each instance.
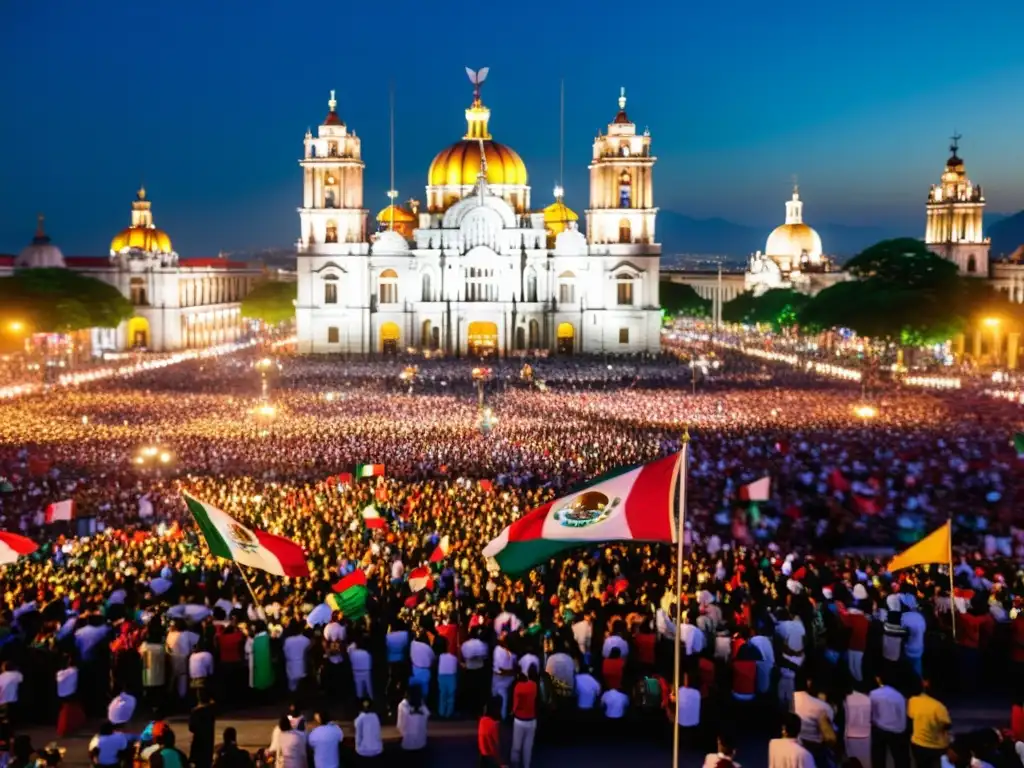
(779, 307)
(56, 300)
(904, 293)
(682, 300)
(272, 302)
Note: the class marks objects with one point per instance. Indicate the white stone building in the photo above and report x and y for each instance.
(478, 271)
(179, 303)
(955, 212)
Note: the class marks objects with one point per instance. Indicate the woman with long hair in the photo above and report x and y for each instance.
(412, 725)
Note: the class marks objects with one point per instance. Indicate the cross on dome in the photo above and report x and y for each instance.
(332, 103)
(622, 99)
(955, 138)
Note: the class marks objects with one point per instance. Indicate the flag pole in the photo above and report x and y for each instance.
(952, 597)
(680, 552)
(255, 600)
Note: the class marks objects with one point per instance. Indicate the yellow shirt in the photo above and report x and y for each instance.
(931, 722)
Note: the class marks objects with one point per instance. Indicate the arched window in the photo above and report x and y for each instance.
(625, 231)
(330, 289)
(388, 291)
(624, 290)
(481, 285)
(329, 199)
(520, 338)
(427, 294)
(625, 190)
(332, 232)
(972, 264)
(531, 284)
(567, 288)
(534, 335)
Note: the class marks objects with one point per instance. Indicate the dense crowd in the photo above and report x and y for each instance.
(786, 604)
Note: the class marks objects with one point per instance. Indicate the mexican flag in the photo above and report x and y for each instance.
(634, 504)
(372, 518)
(60, 510)
(420, 579)
(349, 595)
(759, 490)
(370, 470)
(13, 546)
(440, 551)
(228, 538)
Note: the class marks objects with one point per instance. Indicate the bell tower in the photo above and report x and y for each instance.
(955, 212)
(332, 212)
(621, 189)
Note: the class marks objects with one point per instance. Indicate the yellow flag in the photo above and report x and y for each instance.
(936, 547)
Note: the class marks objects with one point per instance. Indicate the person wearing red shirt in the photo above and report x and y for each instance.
(231, 668)
(524, 714)
(857, 624)
(974, 629)
(612, 669)
(488, 736)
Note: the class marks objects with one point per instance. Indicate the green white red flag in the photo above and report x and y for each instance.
(372, 519)
(634, 504)
(441, 550)
(370, 470)
(60, 510)
(228, 538)
(420, 579)
(759, 490)
(13, 546)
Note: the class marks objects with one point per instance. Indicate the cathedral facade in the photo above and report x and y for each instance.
(477, 270)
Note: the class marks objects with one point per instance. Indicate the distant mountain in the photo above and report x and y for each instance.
(278, 258)
(682, 234)
(1007, 234)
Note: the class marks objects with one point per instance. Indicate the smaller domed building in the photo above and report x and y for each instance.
(179, 303)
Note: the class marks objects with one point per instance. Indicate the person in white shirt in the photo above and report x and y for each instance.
(857, 733)
(180, 642)
(368, 739)
(767, 661)
(614, 704)
(325, 741)
(503, 675)
(295, 648)
(787, 752)
(690, 635)
(889, 726)
(583, 631)
(412, 721)
(689, 705)
(447, 677)
(474, 657)
(200, 666)
(288, 746)
(913, 647)
(588, 690)
(811, 710)
(121, 709)
(362, 670)
(724, 755)
(615, 641)
(107, 748)
(10, 680)
(422, 657)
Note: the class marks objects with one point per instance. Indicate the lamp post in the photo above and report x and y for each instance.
(993, 323)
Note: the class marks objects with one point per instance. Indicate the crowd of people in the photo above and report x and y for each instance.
(786, 605)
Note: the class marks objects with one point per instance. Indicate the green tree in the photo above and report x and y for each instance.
(779, 307)
(906, 294)
(56, 300)
(272, 302)
(679, 299)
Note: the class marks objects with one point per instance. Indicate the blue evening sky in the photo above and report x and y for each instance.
(208, 100)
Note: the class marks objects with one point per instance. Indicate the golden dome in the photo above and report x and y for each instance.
(459, 164)
(558, 216)
(401, 215)
(147, 239)
(793, 240)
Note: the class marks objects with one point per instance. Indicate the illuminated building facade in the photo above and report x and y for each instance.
(478, 270)
(955, 212)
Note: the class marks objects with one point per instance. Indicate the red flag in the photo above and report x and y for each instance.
(486, 485)
(838, 482)
(38, 465)
(420, 579)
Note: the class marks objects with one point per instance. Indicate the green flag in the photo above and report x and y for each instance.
(1018, 443)
(349, 595)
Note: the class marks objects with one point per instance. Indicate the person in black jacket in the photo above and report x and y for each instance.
(201, 723)
(229, 754)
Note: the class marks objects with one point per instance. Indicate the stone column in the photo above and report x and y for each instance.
(1012, 342)
(958, 347)
(976, 344)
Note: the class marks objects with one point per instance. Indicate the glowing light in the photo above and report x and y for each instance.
(865, 411)
(933, 382)
(165, 457)
(329, 397)
(991, 322)
(85, 419)
(267, 410)
(16, 326)
(150, 450)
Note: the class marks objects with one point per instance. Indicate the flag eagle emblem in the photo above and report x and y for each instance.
(586, 509)
(242, 538)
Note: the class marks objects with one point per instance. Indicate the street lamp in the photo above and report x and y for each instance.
(16, 326)
(865, 412)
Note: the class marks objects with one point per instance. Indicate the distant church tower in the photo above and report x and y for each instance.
(332, 187)
(621, 190)
(955, 212)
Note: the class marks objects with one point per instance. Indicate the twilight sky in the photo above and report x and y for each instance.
(208, 102)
